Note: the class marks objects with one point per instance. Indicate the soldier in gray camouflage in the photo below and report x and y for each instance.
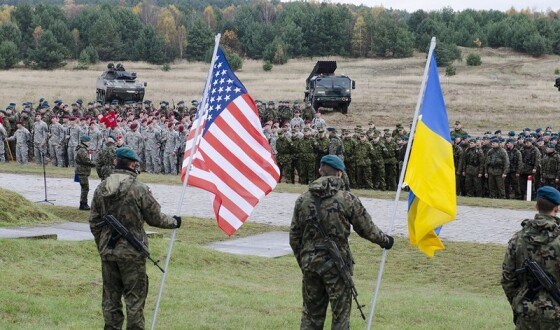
(56, 138)
(337, 211)
(22, 138)
(73, 139)
(105, 162)
(123, 267)
(40, 136)
(83, 169)
(170, 147)
(538, 240)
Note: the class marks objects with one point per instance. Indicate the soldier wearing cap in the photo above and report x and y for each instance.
(308, 113)
(318, 122)
(538, 241)
(297, 120)
(40, 135)
(123, 268)
(389, 151)
(96, 143)
(152, 143)
(399, 131)
(377, 161)
(284, 158)
(106, 160)
(349, 145)
(73, 134)
(171, 144)
(457, 130)
(472, 168)
(550, 167)
(306, 149)
(134, 140)
(496, 169)
(511, 181)
(22, 138)
(531, 159)
(362, 159)
(337, 211)
(83, 169)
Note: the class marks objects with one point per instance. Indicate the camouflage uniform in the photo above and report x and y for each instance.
(22, 138)
(152, 143)
(532, 306)
(106, 161)
(512, 179)
(531, 158)
(307, 147)
(390, 160)
(83, 171)
(349, 161)
(171, 145)
(40, 135)
(362, 158)
(73, 139)
(285, 150)
(497, 167)
(3, 135)
(123, 267)
(377, 164)
(56, 140)
(336, 147)
(472, 168)
(550, 164)
(322, 282)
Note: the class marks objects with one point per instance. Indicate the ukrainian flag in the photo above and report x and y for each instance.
(430, 172)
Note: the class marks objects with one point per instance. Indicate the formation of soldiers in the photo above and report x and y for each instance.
(50, 134)
(492, 165)
(499, 166)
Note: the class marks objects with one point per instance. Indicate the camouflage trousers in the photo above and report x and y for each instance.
(84, 185)
(126, 279)
(286, 169)
(391, 176)
(71, 152)
(22, 153)
(56, 152)
(152, 161)
(307, 170)
(363, 176)
(496, 186)
(512, 186)
(169, 163)
(378, 175)
(525, 323)
(40, 151)
(473, 187)
(320, 290)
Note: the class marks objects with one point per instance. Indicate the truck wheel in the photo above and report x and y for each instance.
(315, 106)
(344, 109)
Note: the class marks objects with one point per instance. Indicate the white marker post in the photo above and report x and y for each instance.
(529, 187)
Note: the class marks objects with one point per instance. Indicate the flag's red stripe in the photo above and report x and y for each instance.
(225, 226)
(218, 171)
(249, 125)
(240, 143)
(226, 151)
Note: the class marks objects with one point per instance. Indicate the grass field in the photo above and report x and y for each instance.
(51, 284)
(509, 90)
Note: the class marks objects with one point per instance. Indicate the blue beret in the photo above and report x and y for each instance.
(334, 162)
(331, 129)
(511, 133)
(115, 102)
(85, 138)
(538, 130)
(79, 101)
(126, 152)
(549, 193)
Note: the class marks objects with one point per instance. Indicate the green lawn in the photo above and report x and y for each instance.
(51, 284)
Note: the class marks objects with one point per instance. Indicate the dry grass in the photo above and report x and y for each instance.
(508, 91)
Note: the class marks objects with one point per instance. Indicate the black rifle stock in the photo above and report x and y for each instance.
(121, 231)
(544, 280)
(337, 259)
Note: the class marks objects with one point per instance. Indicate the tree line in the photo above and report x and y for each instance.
(44, 34)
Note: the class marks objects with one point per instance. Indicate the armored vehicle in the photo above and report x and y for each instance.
(118, 84)
(325, 89)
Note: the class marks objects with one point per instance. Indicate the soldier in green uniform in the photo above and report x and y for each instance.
(531, 158)
(458, 130)
(472, 168)
(550, 165)
(512, 179)
(497, 167)
(377, 161)
(83, 169)
(538, 241)
(349, 152)
(326, 204)
(336, 147)
(306, 150)
(105, 160)
(123, 268)
(362, 159)
(285, 150)
(322, 148)
(390, 160)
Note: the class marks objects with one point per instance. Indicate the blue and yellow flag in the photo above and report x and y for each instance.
(430, 172)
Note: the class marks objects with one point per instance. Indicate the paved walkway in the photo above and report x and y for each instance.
(473, 224)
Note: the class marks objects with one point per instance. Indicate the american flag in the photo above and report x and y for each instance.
(233, 159)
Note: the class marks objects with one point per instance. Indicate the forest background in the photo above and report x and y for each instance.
(46, 34)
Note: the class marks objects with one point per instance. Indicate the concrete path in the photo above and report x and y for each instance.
(473, 224)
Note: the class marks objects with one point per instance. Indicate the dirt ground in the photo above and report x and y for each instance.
(509, 91)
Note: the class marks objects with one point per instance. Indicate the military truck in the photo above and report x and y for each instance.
(116, 83)
(325, 89)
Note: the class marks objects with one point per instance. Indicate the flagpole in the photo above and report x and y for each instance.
(200, 112)
(401, 179)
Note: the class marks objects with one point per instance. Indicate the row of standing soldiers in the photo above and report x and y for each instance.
(373, 159)
(500, 169)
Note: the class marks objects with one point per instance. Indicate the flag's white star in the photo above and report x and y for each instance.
(219, 65)
(224, 72)
(227, 97)
(229, 81)
(228, 89)
(219, 98)
(220, 90)
(237, 90)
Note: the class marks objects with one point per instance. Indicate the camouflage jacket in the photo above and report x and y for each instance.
(105, 161)
(531, 158)
(83, 163)
(497, 161)
(539, 240)
(550, 166)
(339, 210)
(515, 161)
(132, 203)
(472, 162)
(336, 147)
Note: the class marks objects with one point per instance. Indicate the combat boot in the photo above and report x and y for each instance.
(84, 206)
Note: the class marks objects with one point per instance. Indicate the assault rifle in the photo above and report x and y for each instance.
(337, 259)
(544, 280)
(121, 231)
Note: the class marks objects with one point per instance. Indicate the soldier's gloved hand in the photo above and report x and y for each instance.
(178, 219)
(389, 244)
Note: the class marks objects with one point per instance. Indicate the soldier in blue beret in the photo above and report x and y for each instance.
(326, 205)
(538, 241)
